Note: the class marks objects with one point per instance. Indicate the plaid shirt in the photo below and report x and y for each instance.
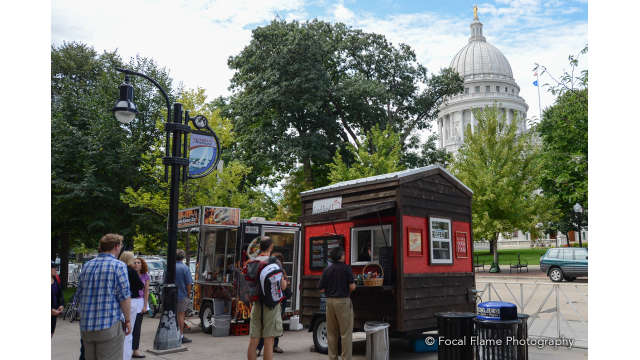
(102, 285)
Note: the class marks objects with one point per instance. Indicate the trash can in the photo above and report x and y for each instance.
(455, 330)
(377, 340)
(220, 325)
(496, 327)
(522, 335)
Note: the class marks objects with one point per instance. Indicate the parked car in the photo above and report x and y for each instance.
(565, 263)
(157, 267)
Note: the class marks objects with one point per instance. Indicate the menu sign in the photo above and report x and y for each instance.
(221, 216)
(461, 244)
(415, 242)
(320, 248)
(188, 217)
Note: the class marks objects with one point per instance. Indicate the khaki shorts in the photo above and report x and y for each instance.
(182, 305)
(267, 325)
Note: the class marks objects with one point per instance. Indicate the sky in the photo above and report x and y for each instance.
(203, 34)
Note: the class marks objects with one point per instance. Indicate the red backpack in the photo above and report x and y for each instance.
(249, 284)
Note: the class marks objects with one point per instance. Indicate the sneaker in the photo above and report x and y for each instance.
(185, 340)
(278, 350)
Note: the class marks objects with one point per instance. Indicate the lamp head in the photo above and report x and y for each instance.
(125, 110)
(577, 208)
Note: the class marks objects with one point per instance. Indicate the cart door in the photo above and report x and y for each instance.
(285, 241)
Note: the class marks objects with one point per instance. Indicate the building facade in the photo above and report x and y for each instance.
(488, 81)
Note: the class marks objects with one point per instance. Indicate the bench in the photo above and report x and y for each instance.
(478, 264)
(519, 265)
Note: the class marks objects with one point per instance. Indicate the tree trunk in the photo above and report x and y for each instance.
(54, 247)
(491, 246)
(64, 259)
(308, 177)
(495, 267)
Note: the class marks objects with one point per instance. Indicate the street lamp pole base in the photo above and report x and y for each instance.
(168, 334)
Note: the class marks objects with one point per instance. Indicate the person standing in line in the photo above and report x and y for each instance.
(287, 294)
(265, 322)
(57, 300)
(143, 272)
(183, 284)
(105, 298)
(135, 285)
(337, 283)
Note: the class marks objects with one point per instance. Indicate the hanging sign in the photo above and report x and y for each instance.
(221, 216)
(204, 153)
(324, 205)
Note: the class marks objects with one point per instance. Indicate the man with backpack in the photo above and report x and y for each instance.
(266, 273)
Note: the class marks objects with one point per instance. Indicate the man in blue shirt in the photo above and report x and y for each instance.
(105, 299)
(183, 284)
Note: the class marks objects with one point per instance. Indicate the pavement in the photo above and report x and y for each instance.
(297, 344)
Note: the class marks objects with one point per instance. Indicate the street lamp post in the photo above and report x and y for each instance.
(578, 210)
(167, 337)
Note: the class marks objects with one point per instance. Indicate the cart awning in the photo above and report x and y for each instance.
(347, 213)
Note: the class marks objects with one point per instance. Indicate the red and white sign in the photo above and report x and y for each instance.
(461, 245)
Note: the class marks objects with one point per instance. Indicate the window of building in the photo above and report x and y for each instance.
(497, 89)
(506, 89)
(477, 89)
(488, 88)
(512, 91)
(440, 241)
(466, 91)
(366, 242)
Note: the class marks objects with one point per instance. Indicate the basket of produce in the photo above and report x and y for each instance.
(372, 274)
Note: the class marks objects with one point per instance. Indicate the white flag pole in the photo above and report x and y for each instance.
(538, 86)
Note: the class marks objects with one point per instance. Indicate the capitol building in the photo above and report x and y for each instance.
(488, 80)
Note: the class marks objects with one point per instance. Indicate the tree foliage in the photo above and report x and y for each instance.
(378, 154)
(303, 90)
(501, 167)
(564, 134)
(220, 188)
(93, 157)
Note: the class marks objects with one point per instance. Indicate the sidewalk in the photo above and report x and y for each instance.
(66, 346)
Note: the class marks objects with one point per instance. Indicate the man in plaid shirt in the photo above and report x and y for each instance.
(105, 298)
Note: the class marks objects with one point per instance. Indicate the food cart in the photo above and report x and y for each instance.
(413, 226)
(223, 239)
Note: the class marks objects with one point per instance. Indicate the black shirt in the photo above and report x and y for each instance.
(135, 284)
(335, 280)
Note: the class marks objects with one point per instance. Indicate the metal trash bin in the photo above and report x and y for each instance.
(455, 329)
(377, 340)
(492, 335)
(522, 335)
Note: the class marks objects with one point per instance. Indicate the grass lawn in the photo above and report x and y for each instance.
(508, 256)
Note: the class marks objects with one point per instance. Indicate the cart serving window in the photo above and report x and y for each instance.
(366, 243)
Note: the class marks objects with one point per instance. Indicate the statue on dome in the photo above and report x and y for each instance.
(475, 12)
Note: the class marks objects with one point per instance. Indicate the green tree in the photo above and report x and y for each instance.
(220, 188)
(303, 90)
(500, 166)
(93, 157)
(378, 154)
(564, 134)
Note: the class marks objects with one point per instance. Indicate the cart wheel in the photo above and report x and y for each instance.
(320, 339)
(206, 313)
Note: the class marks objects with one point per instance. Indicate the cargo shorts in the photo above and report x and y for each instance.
(265, 325)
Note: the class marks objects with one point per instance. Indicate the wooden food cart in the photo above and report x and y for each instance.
(223, 239)
(415, 224)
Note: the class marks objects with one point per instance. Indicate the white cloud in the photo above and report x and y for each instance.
(193, 39)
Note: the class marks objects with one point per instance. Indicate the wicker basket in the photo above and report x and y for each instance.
(375, 281)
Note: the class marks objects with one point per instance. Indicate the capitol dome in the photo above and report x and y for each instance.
(488, 81)
(479, 58)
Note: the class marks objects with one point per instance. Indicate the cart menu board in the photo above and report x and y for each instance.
(320, 248)
(188, 217)
(221, 216)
